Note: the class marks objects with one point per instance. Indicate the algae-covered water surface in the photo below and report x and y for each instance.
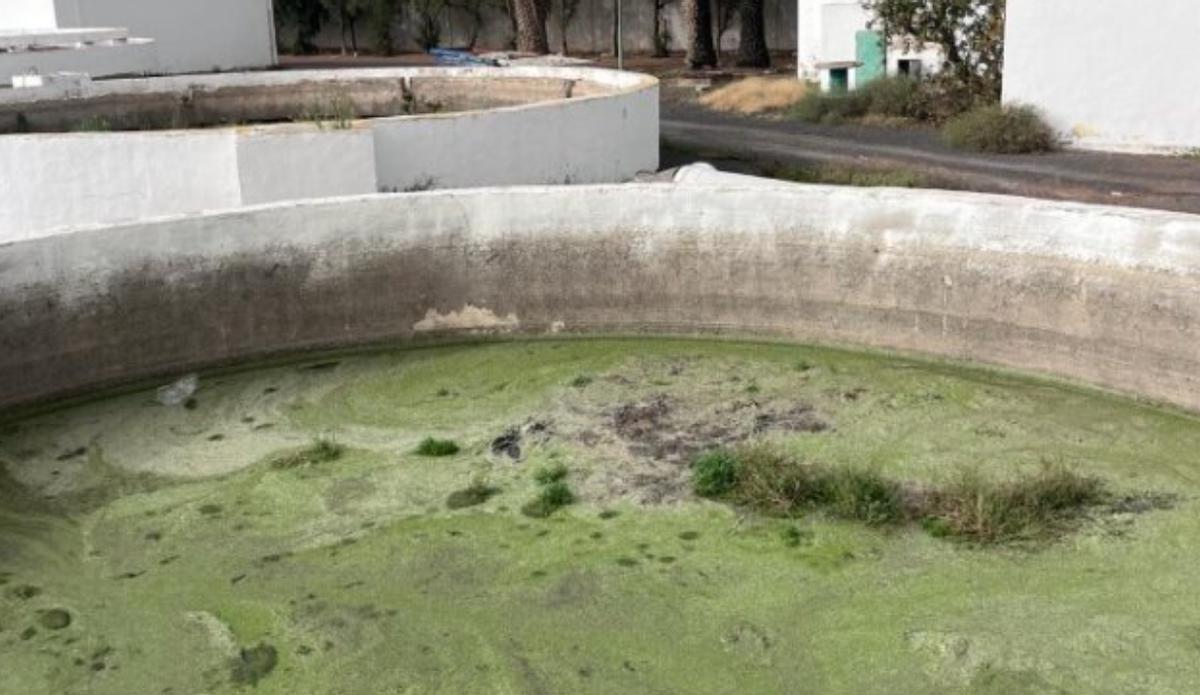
(520, 517)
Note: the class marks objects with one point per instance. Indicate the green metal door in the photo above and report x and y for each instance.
(869, 52)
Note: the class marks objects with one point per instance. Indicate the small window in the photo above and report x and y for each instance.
(909, 68)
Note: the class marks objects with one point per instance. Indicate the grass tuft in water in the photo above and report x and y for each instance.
(253, 664)
(971, 508)
(552, 497)
(322, 450)
(552, 473)
(437, 447)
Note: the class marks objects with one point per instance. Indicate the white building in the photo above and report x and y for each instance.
(1112, 75)
(116, 37)
(837, 44)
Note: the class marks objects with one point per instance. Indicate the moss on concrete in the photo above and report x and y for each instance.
(210, 570)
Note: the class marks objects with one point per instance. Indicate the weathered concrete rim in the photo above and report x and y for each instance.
(613, 82)
(1104, 296)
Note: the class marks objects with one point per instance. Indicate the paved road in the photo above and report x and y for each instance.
(690, 133)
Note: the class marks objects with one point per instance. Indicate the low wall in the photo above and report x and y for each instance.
(1102, 295)
(534, 125)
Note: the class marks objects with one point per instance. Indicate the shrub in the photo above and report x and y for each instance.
(714, 474)
(550, 474)
(778, 484)
(437, 447)
(1012, 129)
(553, 497)
(892, 97)
(823, 107)
(896, 97)
(989, 512)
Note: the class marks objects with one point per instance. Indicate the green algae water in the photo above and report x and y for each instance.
(205, 547)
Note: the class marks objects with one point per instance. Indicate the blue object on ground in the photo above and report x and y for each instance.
(451, 56)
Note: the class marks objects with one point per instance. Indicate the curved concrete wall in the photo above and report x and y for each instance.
(607, 131)
(1103, 295)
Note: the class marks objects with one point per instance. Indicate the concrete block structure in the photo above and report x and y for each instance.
(1112, 75)
(838, 45)
(104, 38)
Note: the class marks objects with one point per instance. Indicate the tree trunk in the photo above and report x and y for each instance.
(562, 27)
(660, 42)
(752, 46)
(700, 52)
(531, 26)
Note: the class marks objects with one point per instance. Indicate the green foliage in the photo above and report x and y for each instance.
(886, 97)
(970, 32)
(762, 478)
(306, 16)
(323, 450)
(550, 474)
(581, 381)
(335, 112)
(1010, 129)
(714, 474)
(427, 16)
(552, 497)
(433, 447)
(92, 124)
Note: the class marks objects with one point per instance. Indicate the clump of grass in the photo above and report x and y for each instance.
(581, 381)
(336, 112)
(552, 497)
(862, 177)
(983, 511)
(714, 474)
(322, 450)
(431, 446)
(253, 664)
(1009, 129)
(972, 508)
(553, 473)
(473, 495)
(768, 480)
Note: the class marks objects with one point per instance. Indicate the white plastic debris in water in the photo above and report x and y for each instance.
(178, 392)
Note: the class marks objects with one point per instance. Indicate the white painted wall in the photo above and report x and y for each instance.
(52, 180)
(840, 23)
(84, 178)
(1112, 75)
(133, 57)
(298, 162)
(27, 14)
(192, 36)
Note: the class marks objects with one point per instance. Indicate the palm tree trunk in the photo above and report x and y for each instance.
(700, 52)
(752, 46)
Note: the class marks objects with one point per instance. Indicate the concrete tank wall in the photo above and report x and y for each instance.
(1099, 294)
(606, 132)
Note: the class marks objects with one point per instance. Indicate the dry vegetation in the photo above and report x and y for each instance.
(756, 95)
